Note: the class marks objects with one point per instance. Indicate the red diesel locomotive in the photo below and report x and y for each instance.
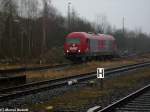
(82, 45)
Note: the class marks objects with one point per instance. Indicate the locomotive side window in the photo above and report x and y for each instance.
(73, 40)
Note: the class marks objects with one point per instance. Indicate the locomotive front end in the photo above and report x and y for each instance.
(75, 45)
(72, 46)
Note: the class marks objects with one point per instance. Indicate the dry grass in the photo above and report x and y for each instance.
(8, 66)
(14, 66)
(78, 99)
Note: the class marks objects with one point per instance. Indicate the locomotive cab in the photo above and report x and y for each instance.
(75, 45)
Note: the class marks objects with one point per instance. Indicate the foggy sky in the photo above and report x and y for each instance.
(136, 12)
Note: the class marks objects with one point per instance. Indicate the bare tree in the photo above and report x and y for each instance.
(9, 13)
(29, 11)
(48, 18)
(101, 24)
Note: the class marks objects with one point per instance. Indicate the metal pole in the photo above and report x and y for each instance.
(69, 3)
(102, 84)
(123, 22)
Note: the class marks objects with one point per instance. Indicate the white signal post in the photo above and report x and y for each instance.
(100, 75)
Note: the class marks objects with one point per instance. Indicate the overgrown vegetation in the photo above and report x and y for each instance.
(35, 30)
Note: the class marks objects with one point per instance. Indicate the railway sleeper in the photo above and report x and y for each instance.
(142, 100)
(137, 106)
(132, 109)
(144, 97)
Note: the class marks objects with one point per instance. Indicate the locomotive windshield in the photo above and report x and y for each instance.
(73, 40)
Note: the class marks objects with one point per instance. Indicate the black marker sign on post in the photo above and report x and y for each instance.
(100, 75)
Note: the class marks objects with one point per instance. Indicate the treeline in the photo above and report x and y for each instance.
(132, 42)
(29, 28)
(33, 30)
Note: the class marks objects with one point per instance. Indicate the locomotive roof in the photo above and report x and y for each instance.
(91, 35)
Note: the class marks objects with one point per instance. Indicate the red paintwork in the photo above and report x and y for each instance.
(84, 46)
(83, 38)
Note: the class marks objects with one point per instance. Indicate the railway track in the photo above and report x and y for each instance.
(139, 101)
(31, 88)
(23, 69)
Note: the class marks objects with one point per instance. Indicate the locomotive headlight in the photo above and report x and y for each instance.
(79, 50)
(67, 51)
